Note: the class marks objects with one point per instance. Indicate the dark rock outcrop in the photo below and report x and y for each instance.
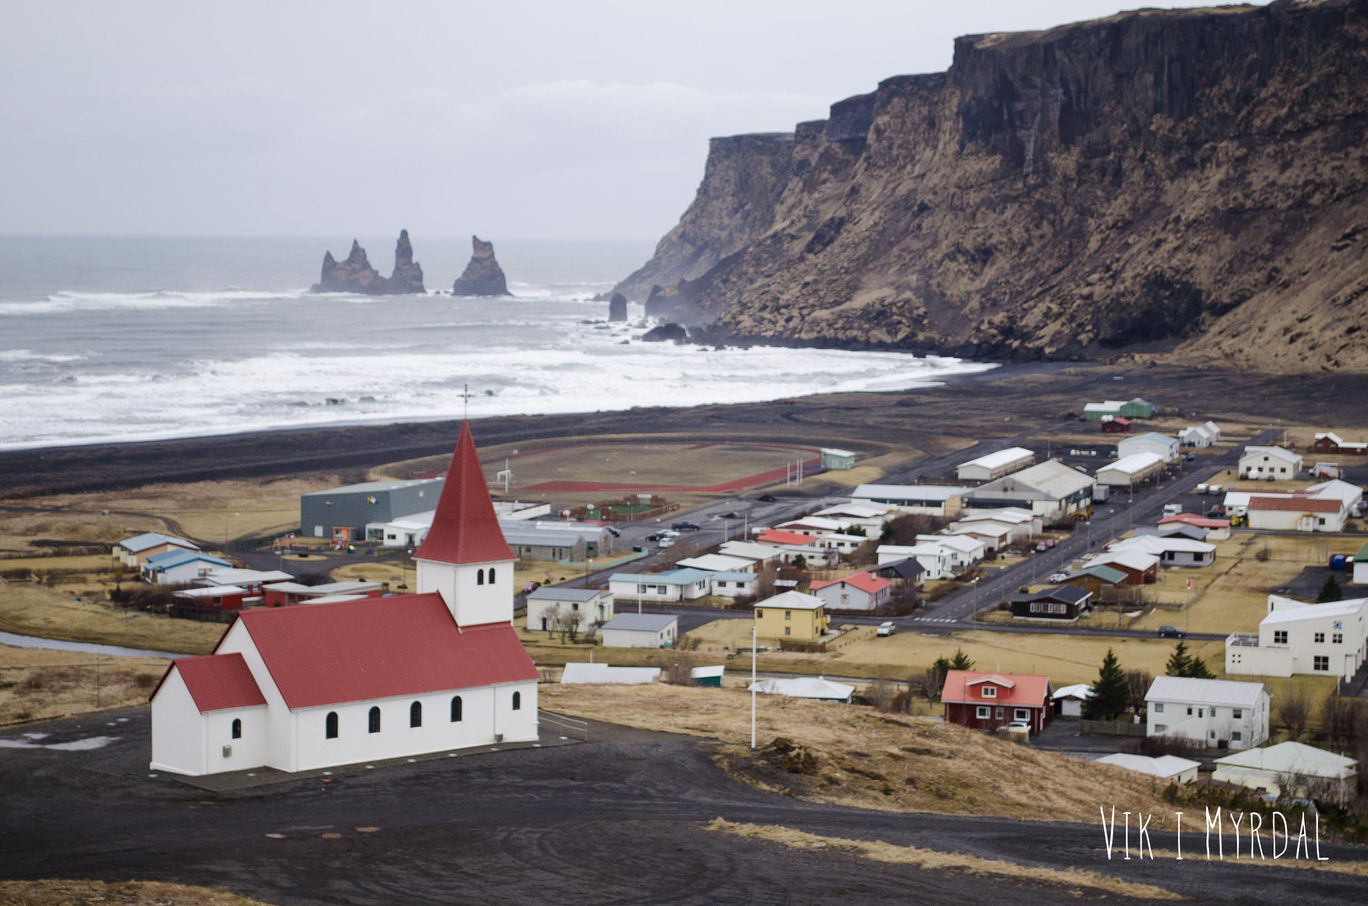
(663, 333)
(355, 275)
(617, 307)
(482, 276)
(1185, 183)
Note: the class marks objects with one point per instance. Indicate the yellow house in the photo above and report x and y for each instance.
(793, 616)
(135, 551)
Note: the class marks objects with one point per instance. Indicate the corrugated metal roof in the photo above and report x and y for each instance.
(865, 582)
(1000, 458)
(560, 593)
(465, 528)
(640, 622)
(142, 542)
(1203, 691)
(1025, 690)
(379, 648)
(218, 682)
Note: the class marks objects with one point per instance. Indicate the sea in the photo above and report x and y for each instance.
(110, 339)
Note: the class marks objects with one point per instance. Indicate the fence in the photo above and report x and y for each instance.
(1111, 728)
(567, 727)
(37, 691)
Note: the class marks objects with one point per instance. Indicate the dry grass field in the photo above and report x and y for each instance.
(123, 893)
(49, 613)
(855, 756)
(37, 684)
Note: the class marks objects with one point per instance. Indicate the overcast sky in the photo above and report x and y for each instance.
(511, 119)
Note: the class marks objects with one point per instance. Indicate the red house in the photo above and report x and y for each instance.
(986, 701)
(1116, 425)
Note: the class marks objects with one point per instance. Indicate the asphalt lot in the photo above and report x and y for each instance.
(612, 821)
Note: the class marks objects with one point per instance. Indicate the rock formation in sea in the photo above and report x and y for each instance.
(617, 307)
(482, 276)
(355, 274)
(1189, 184)
(669, 332)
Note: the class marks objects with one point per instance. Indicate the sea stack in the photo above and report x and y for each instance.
(482, 276)
(408, 274)
(617, 307)
(355, 275)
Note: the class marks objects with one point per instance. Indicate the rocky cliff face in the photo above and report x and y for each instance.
(355, 274)
(482, 276)
(1190, 183)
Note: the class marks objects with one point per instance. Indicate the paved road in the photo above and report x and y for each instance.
(616, 822)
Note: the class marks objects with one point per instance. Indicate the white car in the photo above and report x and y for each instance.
(886, 628)
(1059, 577)
(666, 542)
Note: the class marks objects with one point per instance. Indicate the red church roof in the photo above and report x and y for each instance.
(325, 654)
(217, 682)
(464, 528)
(1022, 690)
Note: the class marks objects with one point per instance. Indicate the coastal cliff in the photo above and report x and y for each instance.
(1190, 184)
(355, 274)
(482, 276)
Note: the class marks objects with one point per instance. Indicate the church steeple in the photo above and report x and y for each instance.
(465, 558)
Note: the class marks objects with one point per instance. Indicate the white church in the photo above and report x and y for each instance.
(316, 685)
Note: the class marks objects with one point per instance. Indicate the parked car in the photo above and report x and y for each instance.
(1171, 632)
(886, 628)
(685, 526)
(530, 587)
(616, 533)
(654, 536)
(730, 516)
(1015, 725)
(666, 542)
(1058, 577)
(767, 498)
(1042, 547)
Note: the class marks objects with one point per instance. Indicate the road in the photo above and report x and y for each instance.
(616, 821)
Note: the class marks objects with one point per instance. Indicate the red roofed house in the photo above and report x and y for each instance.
(793, 545)
(986, 701)
(1295, 512)
(317, 685)
(862, 591)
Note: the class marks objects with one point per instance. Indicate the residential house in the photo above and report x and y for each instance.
(792, 545)
(1141, 568)
(986, 701)
(1292, 769)
(1216, 529)
(546, 604)
(1023, 517)
(283, 594)
(640, 630)
(1104, 582)
(906, 571)
(1269, 462)
(1163, 445)
(791, 616)
(718, 563)
(1215, 713)
(134, 552)
(995, 465)
(869, 516)
(935, 559)
(1063, 603)
(676, 585)
(1330, 442)
(860, 591)
(1329, 639)
(1171, 550)
(178, 566)
(734, 584)
(1115, 424)
(965, 550)
(252, 581)
(1164, 767)
(1068, 700)
(214, 597)
(760, 554)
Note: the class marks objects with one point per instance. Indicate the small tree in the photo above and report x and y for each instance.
(1110, 694)
(935, 678)
(1330, 591)
(1137, 685)
(1179, 661)
(1293, 710)
(800, 562)
(961, 661)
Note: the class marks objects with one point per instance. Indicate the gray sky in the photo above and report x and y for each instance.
(528, 119)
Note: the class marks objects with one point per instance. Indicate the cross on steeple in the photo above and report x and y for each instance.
(465, 398)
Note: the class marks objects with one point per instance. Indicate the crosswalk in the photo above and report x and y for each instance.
(934, 620)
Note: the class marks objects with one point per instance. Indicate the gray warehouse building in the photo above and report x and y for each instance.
(344, 513)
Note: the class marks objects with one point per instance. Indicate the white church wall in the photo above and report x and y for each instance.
(244, 753)
(476, 602)
(280, 726)
(178, 729)
(519, 725)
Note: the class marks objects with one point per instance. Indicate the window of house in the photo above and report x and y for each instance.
(989, 692)
(517, 701)
(479, 577)
(1201, 712)
(1320, 638)
(1159, 707)
(1160, 728)
(1189, 710)
(330, 725)
(1238, 713)
(1236, 735)
(1320, 662)
(788, 630)
(1337, 638)
(416, 714)
(237, 728)
(491, 575)
(373, 720)
(1280, 637)
(1021, 714)
(983, 712)
(788, 614)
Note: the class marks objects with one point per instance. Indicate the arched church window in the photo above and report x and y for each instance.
(479, 577)
(517, 701)
(455, 708)
(416, 714)
(491, 575)
(237, 728)
(330, 726)
(375, 720)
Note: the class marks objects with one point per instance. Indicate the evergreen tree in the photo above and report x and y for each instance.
(1179, 662)
(961, 661)
(1197, 669)
(935, 677)
(1111, 692)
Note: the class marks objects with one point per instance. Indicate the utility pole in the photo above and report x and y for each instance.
(753, 640)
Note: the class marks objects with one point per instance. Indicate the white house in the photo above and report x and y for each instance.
(546, 604)
(1213, 713)
(640, 630)
(181, 567)
(1172, 550)
(1163, 445)
(925, 499)
(251, 580)
(1200, 436)
(965, 550)
(718, 563)
(936, 559)
(1029, 521)
(1130, 470)
(994, 536)
(733, 584)
(1051, 490)
(1269, 462)
(1329, 639)
(1308, 769)
(302, 688)
(995, 465)
(860, 591)
(869, 516)
(1165, 767)
(1069, 700)
(675, 585)
(758, 553)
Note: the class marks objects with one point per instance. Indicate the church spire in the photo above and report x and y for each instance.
(465, 528)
